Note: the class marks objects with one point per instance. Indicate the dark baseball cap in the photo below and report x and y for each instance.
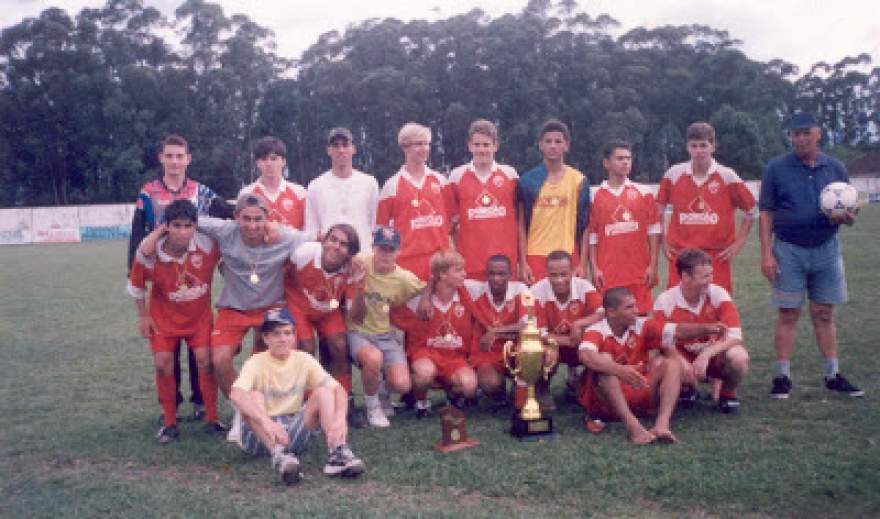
(802, 121)
(339, 133)
(385, 236)
(278, 316)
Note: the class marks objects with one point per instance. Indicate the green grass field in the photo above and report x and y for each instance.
(79, 413)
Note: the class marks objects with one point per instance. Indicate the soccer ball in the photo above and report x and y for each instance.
(837, 198)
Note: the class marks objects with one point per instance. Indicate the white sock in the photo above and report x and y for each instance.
(371, 401)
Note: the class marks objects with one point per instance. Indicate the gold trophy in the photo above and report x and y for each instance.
(527, 366)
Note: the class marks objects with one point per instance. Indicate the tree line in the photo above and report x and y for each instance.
(84, 99)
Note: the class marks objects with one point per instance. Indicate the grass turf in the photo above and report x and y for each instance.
(79, 413)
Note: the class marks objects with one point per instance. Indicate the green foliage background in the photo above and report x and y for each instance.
(84, 98)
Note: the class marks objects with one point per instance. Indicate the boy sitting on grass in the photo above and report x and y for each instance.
(269, 392)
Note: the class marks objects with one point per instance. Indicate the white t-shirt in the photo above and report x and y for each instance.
(331, 200)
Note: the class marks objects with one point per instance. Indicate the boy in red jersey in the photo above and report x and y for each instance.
(704, 196)
(497, 307)
(413, 201)
(483, 203)
(319, 277)
(624, 230)
(554, 207)
(438, 349)
(623, 381)
(566, 304)
(179, 265)
(697, 300)
(286, 200)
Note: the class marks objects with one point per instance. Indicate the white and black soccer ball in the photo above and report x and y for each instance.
(837, 198)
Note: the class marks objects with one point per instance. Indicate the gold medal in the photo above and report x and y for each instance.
(627, 216)
(554, 201)
(334, 304)
(485, 200)
(384, 308)
(182, 285)
(254, 278)
(415, 202)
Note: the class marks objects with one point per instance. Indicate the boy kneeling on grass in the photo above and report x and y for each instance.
(269, 393)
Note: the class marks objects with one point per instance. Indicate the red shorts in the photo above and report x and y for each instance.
(232, 325)
(445, 363)
(418, 265)
(644, 300)
(721, 273)
(489, 359)
(639, 400)
(715, 369)
(328, 324)
(200, 338)
(538, 265)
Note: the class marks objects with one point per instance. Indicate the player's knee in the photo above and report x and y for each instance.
(370, 358)
(423, 372)
(789, 316)
(465, 380)
(338, 346)
(738, 359)
(400, 384)
(822, 314)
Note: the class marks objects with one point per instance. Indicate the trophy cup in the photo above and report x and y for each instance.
(526, 364)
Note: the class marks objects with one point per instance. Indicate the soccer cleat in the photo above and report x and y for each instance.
(198, 412)
(287, 466)
(781, 387)
(216, 429)
(594, 425)
(342, 462)
(167, 434)
(728, 405)
(354, 416)
(234, 434)
(376, 417)
(688, 396)
(458, 402)
(839, 383)
(423, 408)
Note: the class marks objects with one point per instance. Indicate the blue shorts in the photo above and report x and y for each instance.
(818, 271)
(387, 343)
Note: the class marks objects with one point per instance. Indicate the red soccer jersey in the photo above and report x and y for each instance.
(704, 210)
(634, 347)
(448, 331)
(418, 211)
(287, 207)
(486, 210)
(714, 307)
(486, 313)
(308, 287)
(620, 221)
(180, 295)
(557, 318)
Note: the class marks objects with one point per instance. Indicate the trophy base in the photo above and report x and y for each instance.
(532, 430)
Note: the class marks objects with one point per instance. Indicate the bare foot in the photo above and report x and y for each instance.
(642, 437)
(664, 435)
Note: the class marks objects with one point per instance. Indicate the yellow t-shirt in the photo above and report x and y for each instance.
(381, 292)
(283, 382)
(554, 215)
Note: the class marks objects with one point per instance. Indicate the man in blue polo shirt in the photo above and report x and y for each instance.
(804, 255)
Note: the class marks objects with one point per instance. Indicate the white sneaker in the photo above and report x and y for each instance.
(234, 434)
(287, 466)
(376, 417)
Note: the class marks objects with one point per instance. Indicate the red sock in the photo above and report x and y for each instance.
(728, 393)
(208, 383)
(166, 386)
(345, 381)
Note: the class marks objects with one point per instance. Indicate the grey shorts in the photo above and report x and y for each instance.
(298, 435)
(816, 271)
(387, 343)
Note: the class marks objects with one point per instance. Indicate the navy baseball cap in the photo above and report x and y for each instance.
(385, 236)
(802, 121)
(278, 316)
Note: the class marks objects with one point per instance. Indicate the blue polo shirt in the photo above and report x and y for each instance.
(790, 190)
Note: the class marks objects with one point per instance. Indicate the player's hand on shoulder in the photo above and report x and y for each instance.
(273, 233)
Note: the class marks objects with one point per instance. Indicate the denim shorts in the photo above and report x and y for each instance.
(818, 271)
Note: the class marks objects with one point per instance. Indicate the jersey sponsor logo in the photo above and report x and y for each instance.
(552, 201)
(714, 186)
(188, 293)
(613, 229)
(563, 328)
(449, 341)
(697, 218)
(486, 213)
(196, 260)
(425, 221)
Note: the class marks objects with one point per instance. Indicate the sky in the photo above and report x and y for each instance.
(801, 32)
